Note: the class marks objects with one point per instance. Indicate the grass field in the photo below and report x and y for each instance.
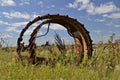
(104, 65)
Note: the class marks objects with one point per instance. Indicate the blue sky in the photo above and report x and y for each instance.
(100, 17)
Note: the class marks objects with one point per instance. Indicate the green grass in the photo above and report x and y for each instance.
(104, 65)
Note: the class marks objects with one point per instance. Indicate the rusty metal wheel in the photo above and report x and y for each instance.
(83, 42)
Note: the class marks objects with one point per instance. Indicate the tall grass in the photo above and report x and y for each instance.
(104, 65)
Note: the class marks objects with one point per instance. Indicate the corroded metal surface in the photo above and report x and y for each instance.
(83, 42)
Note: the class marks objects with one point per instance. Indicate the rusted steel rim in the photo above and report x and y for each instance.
(72, 26)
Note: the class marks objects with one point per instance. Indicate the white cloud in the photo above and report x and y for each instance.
(97, 31)
(112, 15)
(110, 23)
(19, 24)
(100, 20)
(51, 6)
(16, 24)
(7, 3)
(5, 36)
(117, 26)
(54, 27)
(29, 31)
(92, 9)
(16, 14)
(24, 2)
(12, 29)
(106, 8)
(40, 3)
(79, 4)
(3, 23)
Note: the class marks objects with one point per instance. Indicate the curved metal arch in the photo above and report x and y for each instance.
(47, 16)
(72, 26)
